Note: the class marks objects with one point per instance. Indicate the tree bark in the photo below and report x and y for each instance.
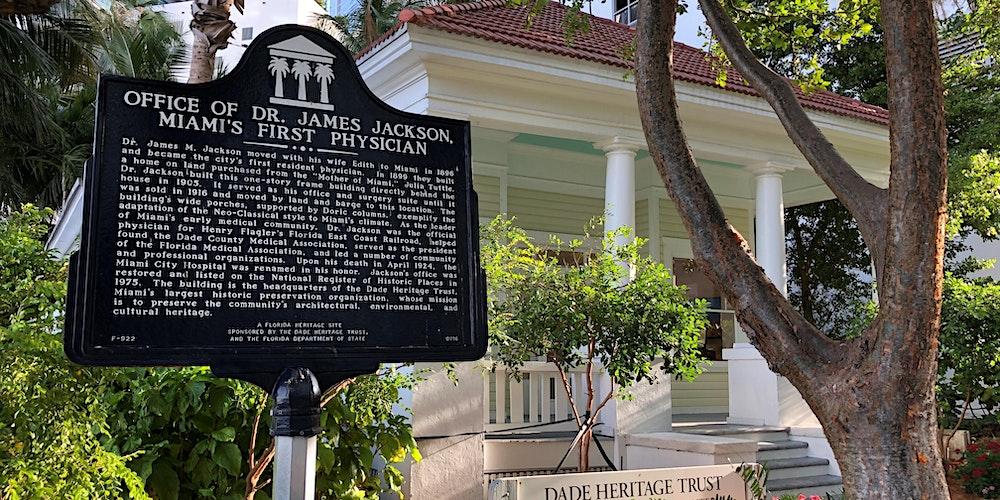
(211, 28)
(874, 395)
(865, 201)
(585, 450)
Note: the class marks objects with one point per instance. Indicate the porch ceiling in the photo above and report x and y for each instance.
(544, 161)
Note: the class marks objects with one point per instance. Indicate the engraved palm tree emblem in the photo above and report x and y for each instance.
(279, 68)
(310, 64)
(324, 73)
(302, 71)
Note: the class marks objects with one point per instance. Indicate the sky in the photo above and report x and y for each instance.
(687, 27)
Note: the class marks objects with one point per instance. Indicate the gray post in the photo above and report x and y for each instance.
(295, 425)
(294, 468)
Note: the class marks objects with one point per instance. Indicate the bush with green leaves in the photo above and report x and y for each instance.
(585, 301)
(53, 415)
(192, 434)
(969, 361)
(83, 432)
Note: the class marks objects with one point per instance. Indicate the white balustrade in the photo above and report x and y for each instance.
(538, 398)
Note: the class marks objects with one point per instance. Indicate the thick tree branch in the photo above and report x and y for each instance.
(794, 347)
(865, 201)
(911, 285)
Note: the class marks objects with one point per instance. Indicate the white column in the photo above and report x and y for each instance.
(619, 211)
(649, 411)
(619, 185)
(770, 213)
(753, 387)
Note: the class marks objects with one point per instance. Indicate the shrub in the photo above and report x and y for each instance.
(68, 431)
(979, 469)
(53, 415)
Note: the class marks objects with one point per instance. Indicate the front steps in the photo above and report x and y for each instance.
(791, 470)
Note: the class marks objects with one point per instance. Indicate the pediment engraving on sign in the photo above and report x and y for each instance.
(309, 65)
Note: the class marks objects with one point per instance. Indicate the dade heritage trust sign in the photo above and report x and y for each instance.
(708, 482)
(281, 214)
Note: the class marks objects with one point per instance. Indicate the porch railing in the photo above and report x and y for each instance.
(538, 398)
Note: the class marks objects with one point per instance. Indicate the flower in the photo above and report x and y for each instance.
(973, 447)
(977, 472)
(802, 497)
(981, 458)
(815, 497)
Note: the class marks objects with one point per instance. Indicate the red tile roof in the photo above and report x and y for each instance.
(495, 21)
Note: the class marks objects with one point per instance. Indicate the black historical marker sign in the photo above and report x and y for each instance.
(280, 215)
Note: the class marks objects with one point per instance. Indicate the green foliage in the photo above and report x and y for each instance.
(796, 38)
(192, 433)
(974, 196)
(78, 432)
(969, 363)
(979, 469)
(54, 414)
(138, 42)
(540, 307)
(48, 69)
(754, 476)
(189, 430)
(828, 265)
(369, 20)
(972, 102)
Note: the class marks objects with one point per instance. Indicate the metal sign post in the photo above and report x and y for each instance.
(295, 427)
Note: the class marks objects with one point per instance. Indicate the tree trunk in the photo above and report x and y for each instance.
(881, 421)
(874, 395)
(211, 28)
(588, 435)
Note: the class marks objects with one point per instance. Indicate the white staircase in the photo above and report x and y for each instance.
(791, 470)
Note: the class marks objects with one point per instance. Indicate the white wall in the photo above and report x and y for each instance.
(985, 250)
(448, 426)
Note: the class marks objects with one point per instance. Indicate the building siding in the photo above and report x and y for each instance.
(488, 189)
(671, 225)
(552, 212)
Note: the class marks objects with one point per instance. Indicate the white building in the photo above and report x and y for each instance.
(556, 140)
(340, 7)
(257, 16)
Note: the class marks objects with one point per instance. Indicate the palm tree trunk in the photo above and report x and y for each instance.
(211, 28)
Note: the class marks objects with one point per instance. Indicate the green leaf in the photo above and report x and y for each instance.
(325, 456)
(229, 457)
(224, 434)
(164, 481)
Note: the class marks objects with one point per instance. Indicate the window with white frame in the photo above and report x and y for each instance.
(626, 11)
